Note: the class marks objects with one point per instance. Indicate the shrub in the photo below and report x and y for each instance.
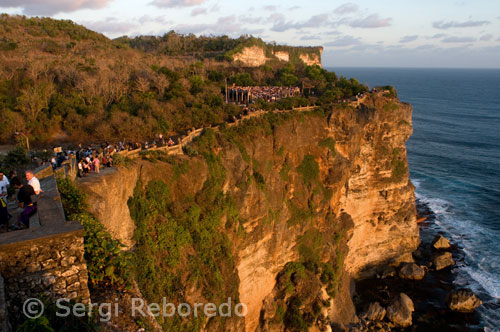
(329, 143)
(106, 262)
(121, 160)
(309, 169)
(73, 200)
(17, 157)
(40, 324)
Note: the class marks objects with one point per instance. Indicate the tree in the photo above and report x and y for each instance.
(34, 99)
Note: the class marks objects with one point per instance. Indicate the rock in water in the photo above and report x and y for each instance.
(375, 312)
(440, 243)
(411, 271)
(388, 271)
(463, 300)
(443, 260)
(400, 310)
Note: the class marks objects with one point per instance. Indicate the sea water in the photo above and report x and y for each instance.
(454, 157)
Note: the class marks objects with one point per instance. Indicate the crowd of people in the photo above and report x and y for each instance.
(250, 94)
(91, 158)
(25, 207)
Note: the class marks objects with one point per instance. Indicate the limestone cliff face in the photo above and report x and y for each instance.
(251, 56)
(331, 186)
(283, 56)
(311, 59)
(255, 56)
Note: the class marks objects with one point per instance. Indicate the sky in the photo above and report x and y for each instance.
(383, 33)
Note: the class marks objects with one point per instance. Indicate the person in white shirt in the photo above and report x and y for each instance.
(4, 213)
(4, 184)
(33, 181)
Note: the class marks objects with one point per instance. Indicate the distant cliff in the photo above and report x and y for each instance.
(254, 56)
(288, 208)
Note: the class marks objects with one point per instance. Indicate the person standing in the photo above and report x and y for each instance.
(33, 182)
(97, 163)
(4, 213)
(25, 202)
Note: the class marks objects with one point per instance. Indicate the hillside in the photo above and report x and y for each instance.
(60, 82)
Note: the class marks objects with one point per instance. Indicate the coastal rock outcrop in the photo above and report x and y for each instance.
(440, 243)
(400, 310)
(463, 300)
(374, 312)
(411, 271)
(442, 261)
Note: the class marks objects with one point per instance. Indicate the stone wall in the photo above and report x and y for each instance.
(51, 266)
(4, 319)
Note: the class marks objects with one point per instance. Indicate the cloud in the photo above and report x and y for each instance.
(248, 19)
(346, 8)
(51, 7)
(425, 47)
(407, 39)
(111, 26)
(199, 11)
(281, 25)
(270, 8)
(309, 37)
(344, 41)
(372, 21)
(298, 7)
(459, 40)
(437, 36)
(176, 3)
(147, 18)
(227, 25)
(453, 24)
(486, 37)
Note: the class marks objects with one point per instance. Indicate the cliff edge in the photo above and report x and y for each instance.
(302, 203)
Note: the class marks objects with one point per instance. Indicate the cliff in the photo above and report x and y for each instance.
(258, 55)
(291, 206)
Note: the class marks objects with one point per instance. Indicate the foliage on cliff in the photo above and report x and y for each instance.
(62, 82)
(179, 243)
(107, 264)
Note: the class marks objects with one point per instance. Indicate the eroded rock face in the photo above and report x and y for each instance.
(374, 312)
(361, 201)
(411, 271)
(442, 261)
(463, 300)
(253, 56)
(400, 310)
(310, 59)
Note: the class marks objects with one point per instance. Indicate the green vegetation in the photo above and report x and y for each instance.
(391, 106)
(75, 83)
(329, 143)
(309, 169)
(299, 215)
(398, 166)
(183, 234)
(16, 157)
(391, 91)
(107, 264)
(301, 310)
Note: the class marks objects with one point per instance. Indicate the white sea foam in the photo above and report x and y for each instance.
(482, 263)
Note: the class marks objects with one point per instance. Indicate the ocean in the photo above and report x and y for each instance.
(454, 157)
